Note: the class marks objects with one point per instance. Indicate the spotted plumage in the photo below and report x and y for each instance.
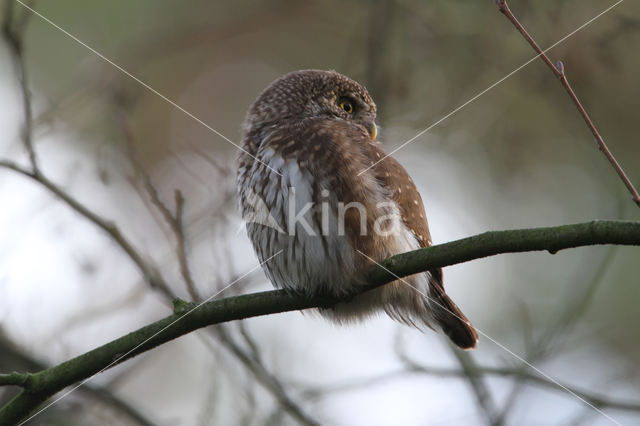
(322, 197)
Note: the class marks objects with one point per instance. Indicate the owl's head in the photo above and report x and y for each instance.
(312, 94)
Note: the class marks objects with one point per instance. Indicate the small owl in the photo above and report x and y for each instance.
(323, 203)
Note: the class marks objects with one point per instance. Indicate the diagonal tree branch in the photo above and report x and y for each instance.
(189, 317)
(558, 71)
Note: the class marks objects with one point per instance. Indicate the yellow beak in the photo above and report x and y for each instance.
(373, 130)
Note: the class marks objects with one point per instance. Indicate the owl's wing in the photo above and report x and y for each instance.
(451, 319)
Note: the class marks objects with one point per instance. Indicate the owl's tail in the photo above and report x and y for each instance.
(448, 316)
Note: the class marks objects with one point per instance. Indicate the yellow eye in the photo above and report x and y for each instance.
(346, 106)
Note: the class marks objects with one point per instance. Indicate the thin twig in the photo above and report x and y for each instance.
(174, 220)
(14, 379)
(181, 250)
(249, 340)
(559, 71)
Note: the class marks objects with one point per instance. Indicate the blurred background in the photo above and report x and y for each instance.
(519, 156)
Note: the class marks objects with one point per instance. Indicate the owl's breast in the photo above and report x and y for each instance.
(305, 198)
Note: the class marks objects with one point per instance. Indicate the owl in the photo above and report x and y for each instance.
(323, 203)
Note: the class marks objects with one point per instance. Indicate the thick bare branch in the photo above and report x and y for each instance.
(189, 316)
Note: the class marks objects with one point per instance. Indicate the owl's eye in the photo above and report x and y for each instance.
(347, 106)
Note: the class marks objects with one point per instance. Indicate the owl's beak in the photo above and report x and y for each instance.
(372, 129)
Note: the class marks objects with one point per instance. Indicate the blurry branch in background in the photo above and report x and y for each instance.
(558, 71)
(149, 272)
(599, 401)
(573, 309)
(411, 368)
(253, 362)
(14, 40)
(555, 336)
(478, 385)
(95, 313)
(187, 317)
(12, 30)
